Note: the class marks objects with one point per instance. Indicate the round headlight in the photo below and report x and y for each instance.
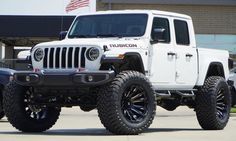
(38, 54)
(92, 53)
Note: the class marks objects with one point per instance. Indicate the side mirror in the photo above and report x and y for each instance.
(62, 35)
(23, 56)
(158, 34)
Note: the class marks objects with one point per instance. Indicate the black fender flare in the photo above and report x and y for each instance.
(121, 60)
(136, 54)
(219, 69)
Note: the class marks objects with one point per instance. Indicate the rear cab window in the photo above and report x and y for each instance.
(181, 32)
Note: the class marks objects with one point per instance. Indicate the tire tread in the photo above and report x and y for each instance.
(107, 105)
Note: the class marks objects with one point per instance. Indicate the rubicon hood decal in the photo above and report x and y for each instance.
(123, 45)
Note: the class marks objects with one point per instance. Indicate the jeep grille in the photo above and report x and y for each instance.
(64, 57)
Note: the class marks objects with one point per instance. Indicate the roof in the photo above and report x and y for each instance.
(155, 12)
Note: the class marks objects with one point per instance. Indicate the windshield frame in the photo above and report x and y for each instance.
(70, 36)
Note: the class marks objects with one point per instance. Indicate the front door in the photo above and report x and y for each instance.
(162, 65)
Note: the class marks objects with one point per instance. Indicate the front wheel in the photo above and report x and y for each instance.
(127, 105)
(24, 116)
(213, 103)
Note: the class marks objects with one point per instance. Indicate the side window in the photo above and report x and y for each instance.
(164, 24)
(181, 32)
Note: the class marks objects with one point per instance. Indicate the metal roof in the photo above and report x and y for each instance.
(155, 12)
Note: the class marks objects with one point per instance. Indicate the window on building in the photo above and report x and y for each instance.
(181, 32)
(162, 23)
(217, 41)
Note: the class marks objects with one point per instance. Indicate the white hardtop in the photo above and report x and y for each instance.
(149, 12)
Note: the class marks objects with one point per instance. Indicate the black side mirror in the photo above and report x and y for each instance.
(158, 34)
(62, 35)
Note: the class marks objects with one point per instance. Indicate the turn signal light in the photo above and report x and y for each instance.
(121, 56)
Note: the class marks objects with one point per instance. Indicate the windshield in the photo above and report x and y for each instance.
(112, 25)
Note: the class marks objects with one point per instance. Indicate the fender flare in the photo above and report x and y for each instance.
(121, 60)
(139, 59)
(220, 69)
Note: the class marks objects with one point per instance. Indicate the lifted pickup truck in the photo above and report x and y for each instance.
(123, 63)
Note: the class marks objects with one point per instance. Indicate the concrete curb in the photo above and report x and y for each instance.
(233, 114)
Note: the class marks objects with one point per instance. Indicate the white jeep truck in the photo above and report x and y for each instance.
(124, 64)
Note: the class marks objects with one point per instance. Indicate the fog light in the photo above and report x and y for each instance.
(90, 78)
(27, 78)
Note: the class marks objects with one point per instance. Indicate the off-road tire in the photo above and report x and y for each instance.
(15, 110)
(214, 92)
(110, 101)
(233, 96)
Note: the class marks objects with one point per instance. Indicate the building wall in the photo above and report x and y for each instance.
(207, 19)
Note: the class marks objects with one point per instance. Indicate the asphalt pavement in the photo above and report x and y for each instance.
(76, 125)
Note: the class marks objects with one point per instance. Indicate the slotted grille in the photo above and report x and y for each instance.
(64, 57)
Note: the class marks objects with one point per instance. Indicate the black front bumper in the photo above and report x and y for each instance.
(88, 78)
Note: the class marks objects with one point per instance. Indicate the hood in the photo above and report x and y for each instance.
(108, 42)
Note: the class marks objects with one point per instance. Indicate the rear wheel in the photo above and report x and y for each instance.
(127, 105)
(213, 103)
(24, 116)
(233, 96)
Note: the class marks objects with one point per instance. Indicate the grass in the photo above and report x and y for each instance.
(233, 110)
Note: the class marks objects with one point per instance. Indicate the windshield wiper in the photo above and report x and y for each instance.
(95, 35)
(109, 35)
(81, 36)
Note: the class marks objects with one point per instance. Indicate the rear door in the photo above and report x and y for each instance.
(186, 54)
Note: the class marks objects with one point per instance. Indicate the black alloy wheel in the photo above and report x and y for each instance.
(32, 111)
(127, 105)
(134, 103)
(221, 104)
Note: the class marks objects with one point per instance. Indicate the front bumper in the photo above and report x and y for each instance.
(87, 78)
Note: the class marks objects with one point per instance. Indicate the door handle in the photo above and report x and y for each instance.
(189, 55)
(171, 53)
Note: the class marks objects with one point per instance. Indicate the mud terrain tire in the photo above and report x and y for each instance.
(20, 115)
(127, 105)
(213, 104)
